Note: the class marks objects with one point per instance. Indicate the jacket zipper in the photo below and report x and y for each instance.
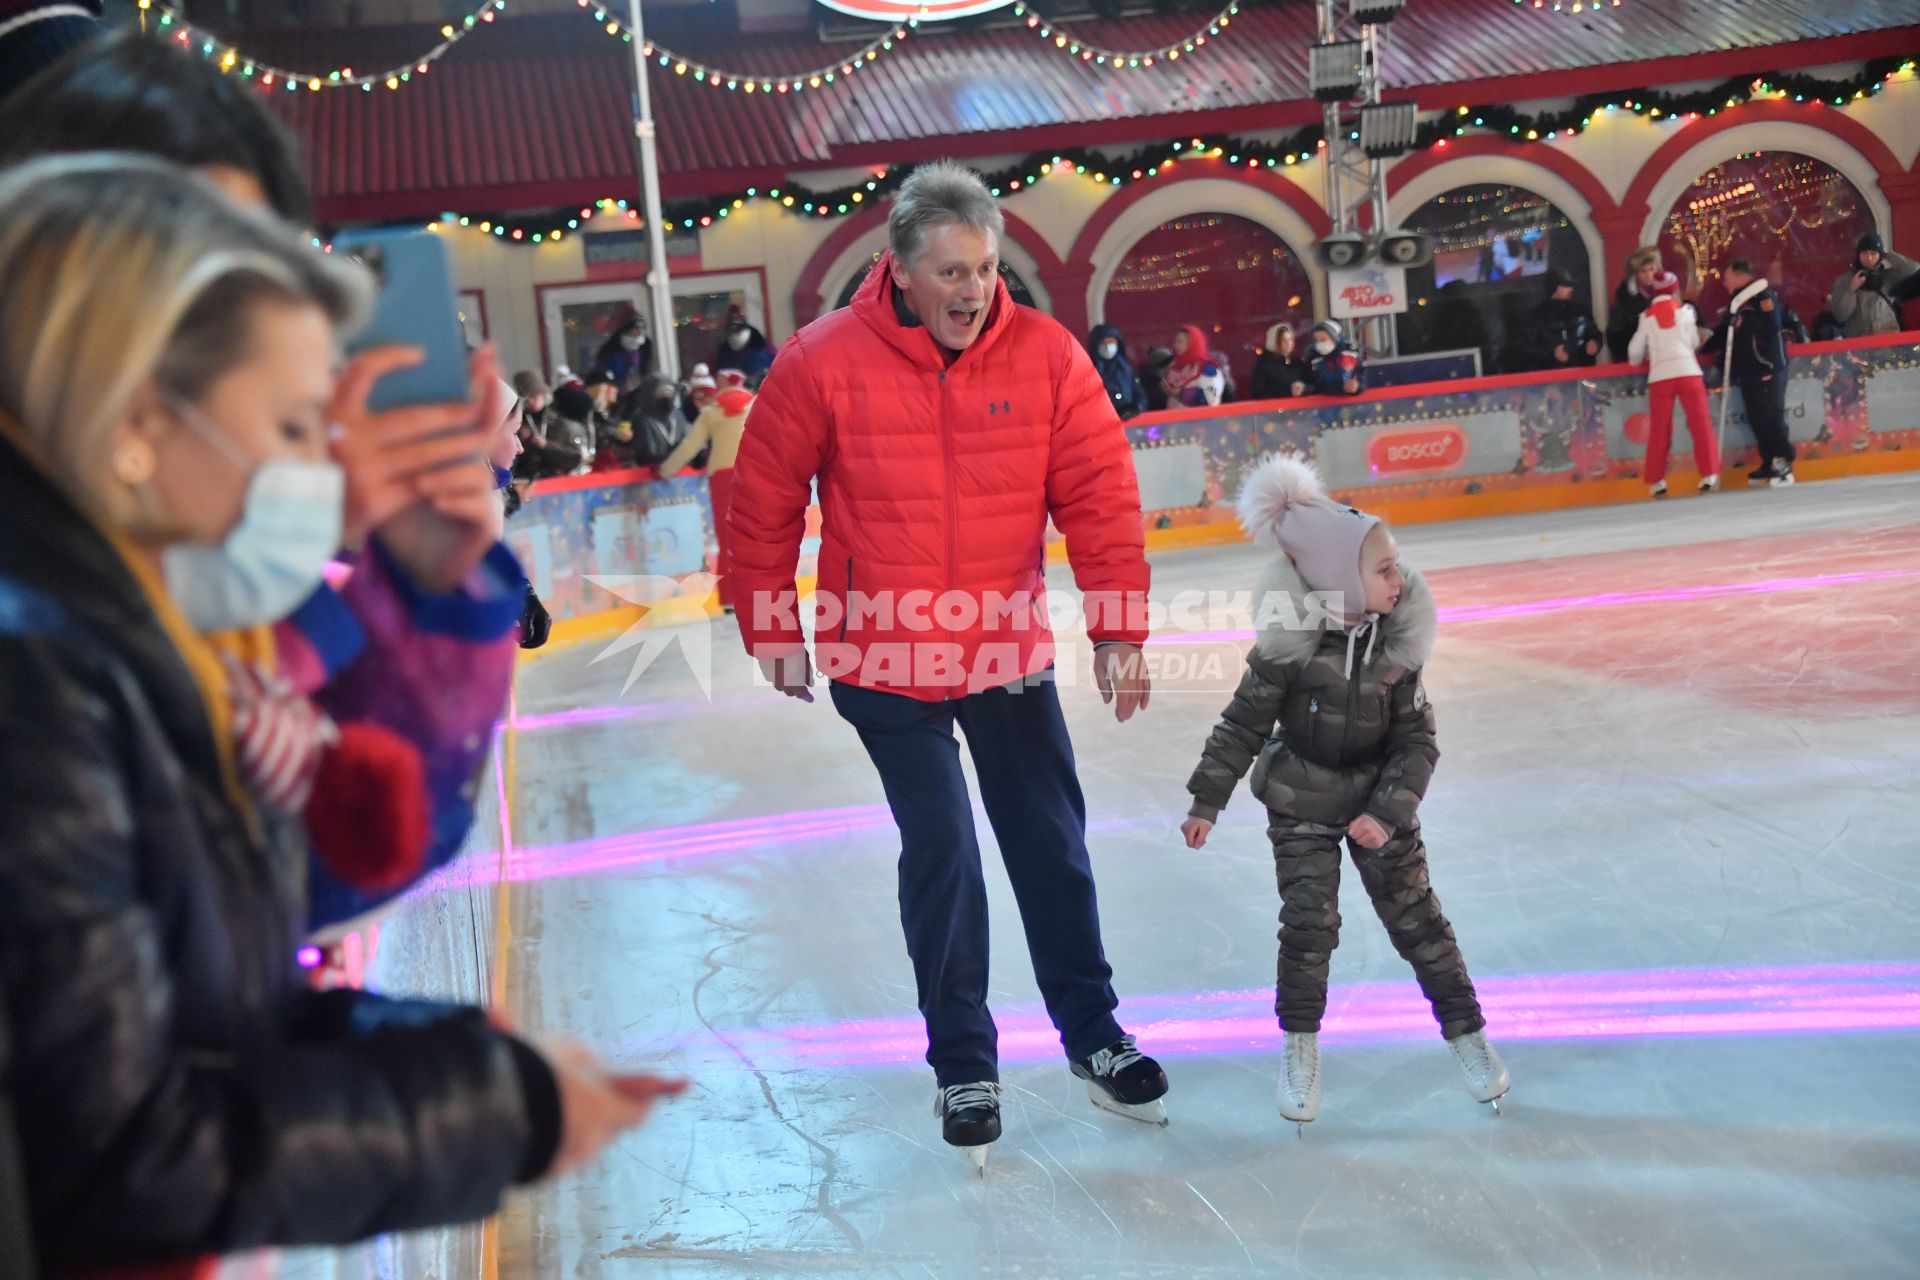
(1353, 707)
(846, 609)
(953, 499)
(1313, 726)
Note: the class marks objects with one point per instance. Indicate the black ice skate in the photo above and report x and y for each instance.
(1126, 1082)
(970, 1118)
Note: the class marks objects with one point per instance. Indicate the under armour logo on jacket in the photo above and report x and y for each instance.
(1005, 406)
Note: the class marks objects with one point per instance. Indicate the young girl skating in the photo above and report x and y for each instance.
(1332, 717)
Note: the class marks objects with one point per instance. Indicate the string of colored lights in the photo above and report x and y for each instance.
(1577, 6)
(820, 77)
(1149, 162)
(751, 81)
(231, 58)
(1100, 56)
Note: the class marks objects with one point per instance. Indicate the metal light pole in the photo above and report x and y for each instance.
(666, 340)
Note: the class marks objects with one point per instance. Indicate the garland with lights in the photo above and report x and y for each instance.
(750, 81)
(1578, 6)
(1667, 107)
(231, 58)
(1088, 52)
(1149, 162)
(820, 77)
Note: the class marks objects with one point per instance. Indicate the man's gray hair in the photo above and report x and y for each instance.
(940, 194)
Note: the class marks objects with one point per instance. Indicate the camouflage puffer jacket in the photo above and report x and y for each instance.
(1334, 723)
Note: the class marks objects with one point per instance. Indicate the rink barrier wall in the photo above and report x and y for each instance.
(613, 550)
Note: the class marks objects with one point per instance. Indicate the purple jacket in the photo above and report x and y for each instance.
(433, 669)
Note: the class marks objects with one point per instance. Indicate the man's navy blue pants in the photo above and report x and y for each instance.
(1018, 740)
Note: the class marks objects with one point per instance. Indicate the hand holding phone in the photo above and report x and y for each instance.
(416, 307)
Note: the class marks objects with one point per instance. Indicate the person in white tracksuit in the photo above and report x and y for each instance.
(1666, 341)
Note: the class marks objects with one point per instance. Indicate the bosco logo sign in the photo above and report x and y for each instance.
(1417, 450)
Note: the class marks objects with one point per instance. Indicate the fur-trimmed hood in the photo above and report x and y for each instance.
(1291, 626)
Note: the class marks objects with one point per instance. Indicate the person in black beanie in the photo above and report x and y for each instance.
(35, 33)
(1865, 299)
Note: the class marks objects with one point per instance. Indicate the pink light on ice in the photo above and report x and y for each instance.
(1603, 600)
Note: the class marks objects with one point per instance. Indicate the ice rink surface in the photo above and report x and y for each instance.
(1675, 825)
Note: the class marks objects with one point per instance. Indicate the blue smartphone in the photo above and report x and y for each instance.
(416, 307)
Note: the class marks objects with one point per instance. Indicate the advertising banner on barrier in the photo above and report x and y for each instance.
(1893, 400)
(1626, 422)
(1468, 444)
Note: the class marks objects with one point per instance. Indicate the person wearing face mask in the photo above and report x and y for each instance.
(1116, 371)
(627, 354)
(1336, 368)
(165, 396)
(744, 348)
(305, 679)
(536, 624)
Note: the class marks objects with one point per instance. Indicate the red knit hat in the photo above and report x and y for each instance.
(1664, 283)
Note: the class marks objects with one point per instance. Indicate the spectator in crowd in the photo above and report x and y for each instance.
(1190, 361)
(718, 432)
(700, 389)
(1666, 341)
(178, 1088)
(656, 422)
(33, 35)
(1153, 377)
(570, 426)
(1558, 333)
(1281, 371)
(745, 348)
(1631, 298)
(1336, 366)
(1109, 351)
(627, 354)
(1751, 331)
(1864, 299)
(508, 447)
(534, 398)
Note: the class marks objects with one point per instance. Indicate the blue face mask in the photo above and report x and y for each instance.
(274, 558)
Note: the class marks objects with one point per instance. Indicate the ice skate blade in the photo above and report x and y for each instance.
(978, 1155)
(1154, 1113)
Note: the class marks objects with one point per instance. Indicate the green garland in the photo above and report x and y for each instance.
(1150, 161)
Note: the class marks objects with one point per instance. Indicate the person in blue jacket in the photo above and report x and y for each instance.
(1109, 351)
(1338, 368)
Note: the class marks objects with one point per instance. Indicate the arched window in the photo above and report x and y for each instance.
(1795, 218)
(1015, 285)
(1498, 250)
(1228, 275)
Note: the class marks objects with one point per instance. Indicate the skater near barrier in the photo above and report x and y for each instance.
(1334, 721)
(1665, 342)
(1757, 363)
(945, 425)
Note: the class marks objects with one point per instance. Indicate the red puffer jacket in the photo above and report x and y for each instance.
(936, 481)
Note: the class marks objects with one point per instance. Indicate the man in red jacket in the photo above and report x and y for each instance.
(945, 425)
